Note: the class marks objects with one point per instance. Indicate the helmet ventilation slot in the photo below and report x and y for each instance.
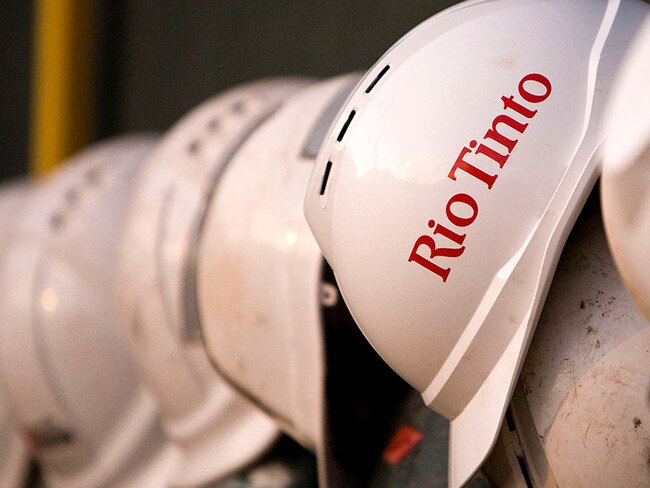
(344, 129)
(326, 176)
(377, 78)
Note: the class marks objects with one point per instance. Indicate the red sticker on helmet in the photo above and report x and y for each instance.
(404, 440)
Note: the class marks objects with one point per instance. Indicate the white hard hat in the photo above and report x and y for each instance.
(580, 414)
(212, 429)
(265, 299)
(65, 369)
(448, 184)
(13, 455)
(626, 172)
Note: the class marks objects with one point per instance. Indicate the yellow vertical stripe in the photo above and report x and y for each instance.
(62, 81)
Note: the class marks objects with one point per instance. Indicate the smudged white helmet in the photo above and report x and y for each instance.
(448, 184)
(13, 455)
(66, 372)
(271, 317)
(626, 172)
(580, 413)
(212, 429)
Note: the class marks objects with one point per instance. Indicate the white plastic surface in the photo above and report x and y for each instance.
(626, 172)
(445, 269)
(65, 369)
(14, 463)
(586, 377)
(13, 455)
(260, 271)
(580, 411)
(212, 430)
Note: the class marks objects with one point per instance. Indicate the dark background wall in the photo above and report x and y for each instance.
(15, 68)
(156, 60)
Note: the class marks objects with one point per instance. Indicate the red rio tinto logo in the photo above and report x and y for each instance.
(494, 147)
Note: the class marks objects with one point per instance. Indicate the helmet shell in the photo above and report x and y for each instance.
(626, 172)
(13, 455)
(446, 187)
(66, 372)
(212, 429)
(583, 388)
(259, 269)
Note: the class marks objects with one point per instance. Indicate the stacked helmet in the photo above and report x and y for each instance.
(270, 314)
(580, 412)
(211, 429)
(449, 183)
(13, 455)
(626, 172)
(66, 372)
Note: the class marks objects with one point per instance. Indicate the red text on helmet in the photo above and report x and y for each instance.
(462, 209)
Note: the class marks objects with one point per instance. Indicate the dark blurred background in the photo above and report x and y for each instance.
(153, 61)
